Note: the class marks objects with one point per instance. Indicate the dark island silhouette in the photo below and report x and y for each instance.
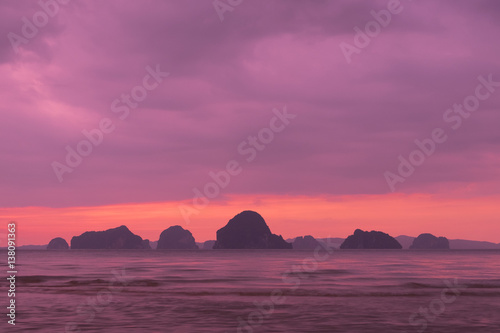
(455, 244)
(430, 242)
(176, 238)
(117, 238)
(248, 230)
(305, 243)
(370, 240)
(58, 243)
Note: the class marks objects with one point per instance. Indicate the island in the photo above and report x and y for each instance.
(117, 238)
(305, 243)
(58, 243)
(176, 238)
(370, 240)
(430, 242)
(248, 230)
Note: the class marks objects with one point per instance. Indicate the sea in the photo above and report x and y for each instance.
(376, 291)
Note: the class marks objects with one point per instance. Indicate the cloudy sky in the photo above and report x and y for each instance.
(231, 70)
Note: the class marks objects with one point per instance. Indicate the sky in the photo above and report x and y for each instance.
(159, 113)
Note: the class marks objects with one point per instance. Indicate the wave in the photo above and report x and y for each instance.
(320, 293)
(232, 286)
(321, 272)
(41, 278)
(493, 284)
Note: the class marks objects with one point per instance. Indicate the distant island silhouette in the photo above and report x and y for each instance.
(370, 240)
(58, 243)
(430, 242)
(117, 238)
(249, 230)
(305, 243)
(176, 238)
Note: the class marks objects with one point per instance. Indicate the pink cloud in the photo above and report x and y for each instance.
(353, 120)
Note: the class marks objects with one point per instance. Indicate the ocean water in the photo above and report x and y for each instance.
(256, 291)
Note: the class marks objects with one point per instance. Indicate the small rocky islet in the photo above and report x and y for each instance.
(430, 242)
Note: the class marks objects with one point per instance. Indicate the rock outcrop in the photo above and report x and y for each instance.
(58, 243)
(248, 230)
(117, 238)
(429, 241)
(176, 238)
(370, 240)
(305, 243)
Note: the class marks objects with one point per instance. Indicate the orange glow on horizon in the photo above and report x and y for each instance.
(290, 216)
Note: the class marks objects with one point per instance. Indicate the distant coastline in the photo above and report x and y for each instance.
(455, 244)
(248, 230)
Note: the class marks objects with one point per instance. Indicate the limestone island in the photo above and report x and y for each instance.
(117, 238)
(58, 243)
(370, 240)
(430, 242)
(176, 238)
(248, 230)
